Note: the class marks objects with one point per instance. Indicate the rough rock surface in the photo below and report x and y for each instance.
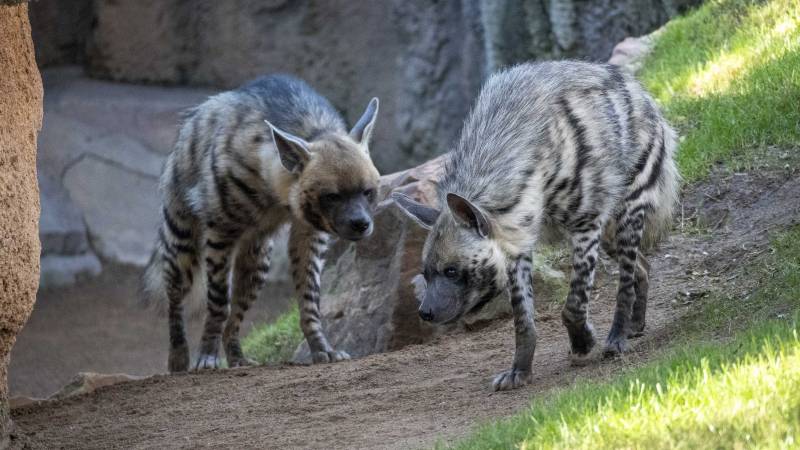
(100, 154)
(419, 57)
(425, 60)
(20, 120)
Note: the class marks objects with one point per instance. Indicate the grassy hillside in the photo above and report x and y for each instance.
(698, 395)
(728, 76)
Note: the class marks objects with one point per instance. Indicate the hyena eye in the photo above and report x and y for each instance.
(451, 272)
(331, 197)
(369, 194)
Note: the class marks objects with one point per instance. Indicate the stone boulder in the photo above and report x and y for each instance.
(20, 120)
(82, 383)
(368, 301)
(631, 53)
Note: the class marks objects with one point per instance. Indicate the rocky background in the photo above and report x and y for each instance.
(103, 143)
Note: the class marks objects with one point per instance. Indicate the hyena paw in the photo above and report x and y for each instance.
(240, 362)
(329, 357)
(511, 379)
(207, 361)
(178, 359)
(616, 346)
(581, 341)
(637, 330)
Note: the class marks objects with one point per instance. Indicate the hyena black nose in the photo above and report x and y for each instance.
(359, 225)
(425, 315)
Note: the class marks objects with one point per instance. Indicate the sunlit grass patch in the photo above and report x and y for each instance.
(737, 394)
(275, 341)
(728, 76)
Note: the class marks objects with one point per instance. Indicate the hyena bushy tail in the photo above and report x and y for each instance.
(658, 222)
(153, 288)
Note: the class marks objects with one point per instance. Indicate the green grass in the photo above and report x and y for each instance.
(741, 393)
(276, 341)
(728, 76)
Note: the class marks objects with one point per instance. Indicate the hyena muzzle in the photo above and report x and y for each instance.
(246, 162)
(550, 149)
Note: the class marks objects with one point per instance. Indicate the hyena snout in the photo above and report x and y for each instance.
(354, 223)
(440, 302)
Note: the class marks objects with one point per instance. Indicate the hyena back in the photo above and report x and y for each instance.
(549, 149)
(231, 181)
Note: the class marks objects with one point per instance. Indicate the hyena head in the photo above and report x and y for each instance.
(336, 183)
(462, 266)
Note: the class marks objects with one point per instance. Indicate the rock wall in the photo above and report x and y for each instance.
(20, 120)
(425, 60)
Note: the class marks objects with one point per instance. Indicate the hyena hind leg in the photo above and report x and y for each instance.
(250, 269)
(628, 241)
(575, 314)
(177, 256)
(641, 286)
(218, 247)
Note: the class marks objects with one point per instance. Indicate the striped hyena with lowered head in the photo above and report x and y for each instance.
(549, 149)
(231, 182)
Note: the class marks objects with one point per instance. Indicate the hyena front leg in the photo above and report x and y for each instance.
(218, 247)
(575, 314)
(629, 237)
(520, 289)
(250, 269)
(306, 249)
(178, 250)
(641, 285)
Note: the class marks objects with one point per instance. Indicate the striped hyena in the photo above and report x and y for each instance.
(231, 181)
(549, 149)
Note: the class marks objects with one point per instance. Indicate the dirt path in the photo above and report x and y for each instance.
(412, 397)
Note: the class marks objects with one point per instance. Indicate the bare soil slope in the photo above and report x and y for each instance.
(412, 397)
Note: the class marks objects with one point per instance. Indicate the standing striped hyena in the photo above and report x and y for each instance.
(231, 182)
(549, 148)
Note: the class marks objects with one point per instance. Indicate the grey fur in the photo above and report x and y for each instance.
(246, 162)
(550, 149)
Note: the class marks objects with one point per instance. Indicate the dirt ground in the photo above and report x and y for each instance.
(98, 326)
(439, 391)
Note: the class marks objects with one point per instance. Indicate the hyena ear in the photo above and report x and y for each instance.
(362, 130)
(292, 150)
(424, 215)
(469, 214)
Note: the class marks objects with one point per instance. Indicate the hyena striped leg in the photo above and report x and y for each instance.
(250, 270)
(178, 251)
(218, 248)
(629, 236)
(641, 285)
(520, 289)
(306, 249)
(575, 314)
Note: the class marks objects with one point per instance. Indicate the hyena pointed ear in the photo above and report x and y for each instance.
(362, 130)
(469, 214)
(292, 150)
(424, 215)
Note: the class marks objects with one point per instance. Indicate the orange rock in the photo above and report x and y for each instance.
(20, 120)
